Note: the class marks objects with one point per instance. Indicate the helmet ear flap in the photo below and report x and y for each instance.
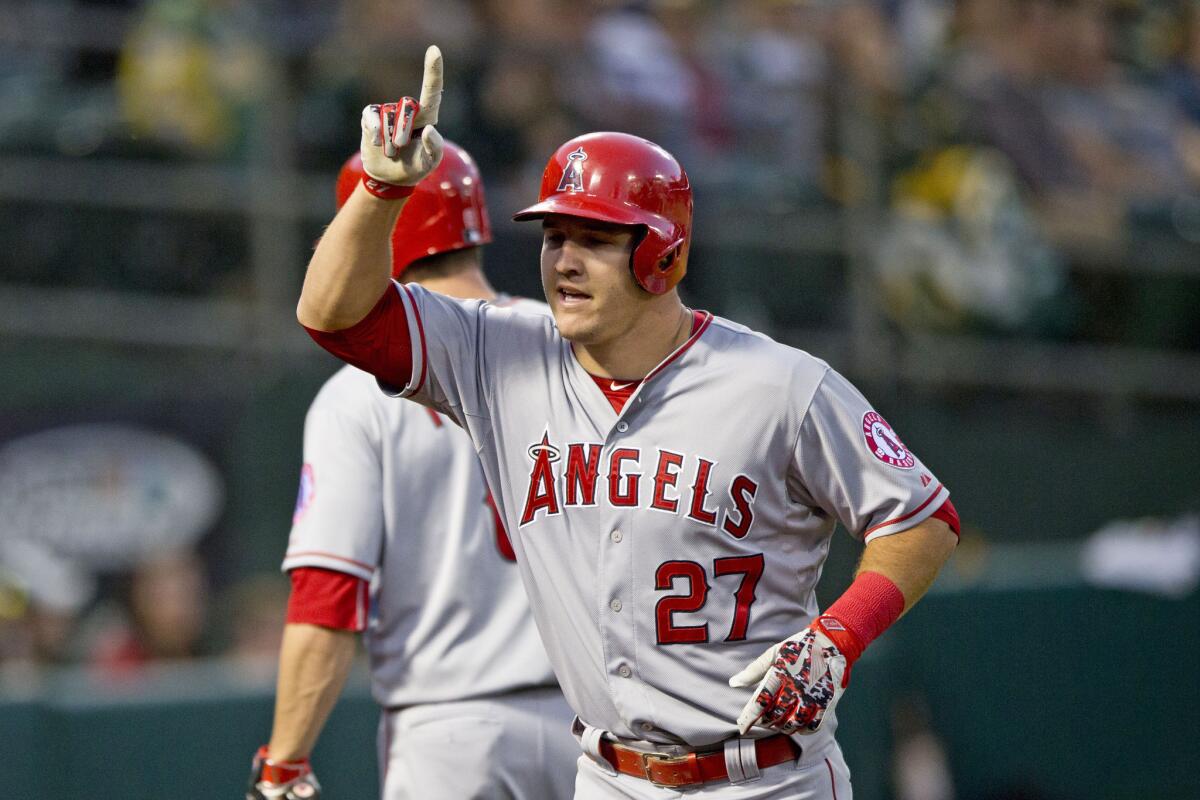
(657, 258)
(667, 261)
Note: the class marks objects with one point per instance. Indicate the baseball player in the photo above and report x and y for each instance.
(670, 479)
(395, 534)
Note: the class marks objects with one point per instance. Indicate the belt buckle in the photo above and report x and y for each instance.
(680, 770)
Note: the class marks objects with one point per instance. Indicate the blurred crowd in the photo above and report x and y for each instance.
(1004, 154)
(116, 625)
(999, 147)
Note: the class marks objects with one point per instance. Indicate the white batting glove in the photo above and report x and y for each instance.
(800, 680)
(390, 154)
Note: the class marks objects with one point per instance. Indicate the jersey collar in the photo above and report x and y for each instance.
(701, 320)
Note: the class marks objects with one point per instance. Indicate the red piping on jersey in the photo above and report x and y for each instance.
(912, 513)
(701, 320)
(421, 333)
(323, 554)
(832, 782)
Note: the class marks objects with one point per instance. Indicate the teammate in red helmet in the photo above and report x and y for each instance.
(670, 480)
(395, 535)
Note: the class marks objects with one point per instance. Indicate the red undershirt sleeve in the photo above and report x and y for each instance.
(379, 343)
(948, 514)
(328, 598)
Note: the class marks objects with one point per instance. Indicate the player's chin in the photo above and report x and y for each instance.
(573, 322)
(574, 327)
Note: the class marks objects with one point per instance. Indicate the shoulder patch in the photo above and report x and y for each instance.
(884, 444)
(306, 493)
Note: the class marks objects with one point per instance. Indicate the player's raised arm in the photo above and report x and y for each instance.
(352, 264)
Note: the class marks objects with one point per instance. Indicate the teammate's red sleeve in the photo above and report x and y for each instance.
(328, 598)
(379, 343)
(949, 515)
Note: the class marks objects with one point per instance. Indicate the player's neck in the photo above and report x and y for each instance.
(635, 352)
(469, 284)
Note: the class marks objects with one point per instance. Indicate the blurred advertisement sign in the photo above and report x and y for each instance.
(106, 495)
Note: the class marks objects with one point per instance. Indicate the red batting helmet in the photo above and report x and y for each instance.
(445, 212)
(620, 178)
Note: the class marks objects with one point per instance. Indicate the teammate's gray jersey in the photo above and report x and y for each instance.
(394, 494)
(665, 548)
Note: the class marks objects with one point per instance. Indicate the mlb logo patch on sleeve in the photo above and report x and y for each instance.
(884, 444)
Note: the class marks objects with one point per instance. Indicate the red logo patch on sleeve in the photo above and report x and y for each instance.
(884, 444)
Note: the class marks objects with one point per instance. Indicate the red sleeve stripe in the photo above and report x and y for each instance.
(937, 490)
(416, 333)
(323, 554)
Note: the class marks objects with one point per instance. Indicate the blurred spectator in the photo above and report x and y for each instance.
(253, 611)
(639, 80)
(962, 249)
(190, 73)
(996, 66)
(1129, 140)
(378, 45)
(166, 608)
(1182, 79)
(41, 598)
(775, 72)
(920, 766)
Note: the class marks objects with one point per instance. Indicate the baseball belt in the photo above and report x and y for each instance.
(673, 772)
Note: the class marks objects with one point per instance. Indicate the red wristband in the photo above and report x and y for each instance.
(386, 191)
(867, 609)
(280, 772)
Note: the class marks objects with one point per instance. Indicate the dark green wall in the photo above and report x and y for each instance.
(1083, 694)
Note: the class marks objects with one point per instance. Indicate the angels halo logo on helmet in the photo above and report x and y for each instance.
(446, 212)
(572, 177)
(624, 179)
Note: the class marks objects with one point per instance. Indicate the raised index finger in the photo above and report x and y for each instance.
(431, 88)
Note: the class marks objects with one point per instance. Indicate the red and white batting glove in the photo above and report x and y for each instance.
(800, 680)
(281, 780)
(393, 159)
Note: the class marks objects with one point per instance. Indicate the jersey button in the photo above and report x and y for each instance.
(622, 426)
(616, 536)
(615, 605)
(624, 671)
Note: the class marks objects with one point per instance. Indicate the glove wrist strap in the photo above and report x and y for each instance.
(280, 772)
(386, 191)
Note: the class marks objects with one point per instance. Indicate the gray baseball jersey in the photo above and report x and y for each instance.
(665, 547)
(393, 493)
